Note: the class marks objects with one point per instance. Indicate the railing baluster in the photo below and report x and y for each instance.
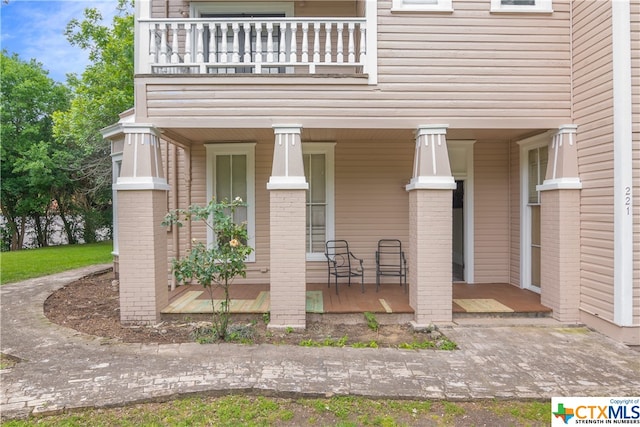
(175, 31)
(199, 43)
(352, 48)
(258, 58)
(363, 46)
(153, 44)
(247, 41)
(163, 44)
(235, 56)
(269, 42)
(305, 42)
(187, 43)
(213, 44)
(316, 42)
(327, 42)
(223, 42)
(283, 42)
(293, 50)
(339, 46)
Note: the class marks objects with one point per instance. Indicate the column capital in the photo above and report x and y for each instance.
(141, 159)
(431, 169)
(287, 171)
(562, 167)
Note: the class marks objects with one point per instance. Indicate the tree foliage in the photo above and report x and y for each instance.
(30, 158)
(100, 94)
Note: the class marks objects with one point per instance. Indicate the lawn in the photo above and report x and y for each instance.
(29, 263)
(345, 411)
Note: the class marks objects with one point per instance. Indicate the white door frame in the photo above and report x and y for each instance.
(525, 215)
(461, 162)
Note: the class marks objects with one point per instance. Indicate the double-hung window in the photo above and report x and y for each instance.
(318, 169)
(511, 6)
(230, 174)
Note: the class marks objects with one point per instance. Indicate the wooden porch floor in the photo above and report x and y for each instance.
(468, 300)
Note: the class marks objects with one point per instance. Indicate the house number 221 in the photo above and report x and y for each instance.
(627, 199)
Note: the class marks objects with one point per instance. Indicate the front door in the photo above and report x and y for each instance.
(458, 232)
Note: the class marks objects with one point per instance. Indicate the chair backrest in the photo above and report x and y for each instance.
(389, 252)
(337, 251)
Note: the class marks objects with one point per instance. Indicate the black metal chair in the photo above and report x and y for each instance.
(390, 261)
(342, 263)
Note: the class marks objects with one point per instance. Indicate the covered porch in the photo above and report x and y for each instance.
(482, 300)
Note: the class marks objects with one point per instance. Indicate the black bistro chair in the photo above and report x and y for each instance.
(390, 261)
(342, 263)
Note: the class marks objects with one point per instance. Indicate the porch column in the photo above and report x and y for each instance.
(142, 240)
(430, 232)
(287, 191)
(560, 228)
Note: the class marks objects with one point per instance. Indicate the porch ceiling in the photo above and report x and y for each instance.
(189, 136)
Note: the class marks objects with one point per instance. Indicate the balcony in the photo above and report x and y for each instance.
(253, 46)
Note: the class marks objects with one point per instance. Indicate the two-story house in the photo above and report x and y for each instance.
(363, 120)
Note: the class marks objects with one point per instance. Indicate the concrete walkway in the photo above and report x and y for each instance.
(63, 369)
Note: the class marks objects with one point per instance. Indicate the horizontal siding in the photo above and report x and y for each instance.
(491, 212)
(471, 66)
(593, 114)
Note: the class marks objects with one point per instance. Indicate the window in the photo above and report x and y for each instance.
(422, 6)
(540, 6)
(318, 170)
(230, 174)
(537, 171)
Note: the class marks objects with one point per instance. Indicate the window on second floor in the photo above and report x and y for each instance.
(511, 6)
(422, 6)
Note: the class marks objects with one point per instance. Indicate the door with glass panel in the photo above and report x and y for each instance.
(315, 172)
(537, 168)
(231, 182)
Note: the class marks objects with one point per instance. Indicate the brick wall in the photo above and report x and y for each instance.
(288, 285)
(430, 247)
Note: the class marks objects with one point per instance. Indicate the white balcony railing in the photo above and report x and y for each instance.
(252, 45)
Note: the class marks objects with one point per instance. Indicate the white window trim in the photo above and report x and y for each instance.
(116, 166)
(469, 225)
(197, 9)
(541, 6)
(421, 6)
(247, 149)
(527, 144)
(328, 149)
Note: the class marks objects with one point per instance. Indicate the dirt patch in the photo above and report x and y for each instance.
(91, 305)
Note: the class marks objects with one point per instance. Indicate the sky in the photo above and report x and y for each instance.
(34, 29)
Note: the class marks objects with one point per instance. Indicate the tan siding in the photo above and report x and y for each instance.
(514, 207)
(499, 70)
(593, 111)
(371, 201)
(491, 198)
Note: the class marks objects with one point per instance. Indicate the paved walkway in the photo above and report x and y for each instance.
(63, 369)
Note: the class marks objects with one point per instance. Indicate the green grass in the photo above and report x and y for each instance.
(242, 410)
(30, 263)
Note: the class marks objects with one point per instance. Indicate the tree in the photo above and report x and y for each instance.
(215, 266)
(31, 174)
(104, 90)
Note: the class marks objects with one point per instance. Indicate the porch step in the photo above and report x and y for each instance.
(519, 314)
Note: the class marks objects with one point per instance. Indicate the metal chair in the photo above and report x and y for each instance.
(342, 263)
(390, 261)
